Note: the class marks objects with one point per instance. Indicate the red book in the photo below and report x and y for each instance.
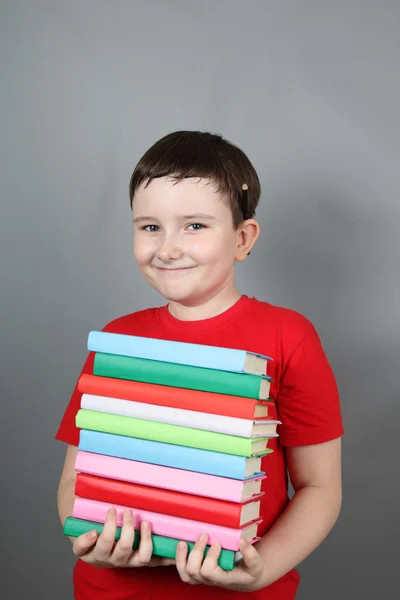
(176, 504)
(206, 402)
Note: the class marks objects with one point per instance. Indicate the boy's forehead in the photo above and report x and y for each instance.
(186, 193)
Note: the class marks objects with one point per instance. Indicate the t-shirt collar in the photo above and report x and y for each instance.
(204, 325)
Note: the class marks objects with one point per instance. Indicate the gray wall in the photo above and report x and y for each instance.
(310, 90)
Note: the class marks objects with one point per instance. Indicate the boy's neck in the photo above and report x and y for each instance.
(212, 307)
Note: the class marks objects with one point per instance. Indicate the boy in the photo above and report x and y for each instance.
(192, 222)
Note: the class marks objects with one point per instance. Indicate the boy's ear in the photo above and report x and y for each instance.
(248, 233)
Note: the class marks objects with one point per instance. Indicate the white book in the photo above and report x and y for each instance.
(246, 428)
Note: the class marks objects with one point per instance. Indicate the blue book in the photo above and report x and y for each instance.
(195, 355)
(169, 455)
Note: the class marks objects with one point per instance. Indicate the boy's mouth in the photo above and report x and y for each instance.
(174, 269)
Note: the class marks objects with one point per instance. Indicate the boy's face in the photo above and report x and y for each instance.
(185, 244)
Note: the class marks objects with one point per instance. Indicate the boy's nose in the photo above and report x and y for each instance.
(169, 252)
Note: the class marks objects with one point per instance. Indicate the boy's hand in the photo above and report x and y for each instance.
(102, 551)
(246, 577)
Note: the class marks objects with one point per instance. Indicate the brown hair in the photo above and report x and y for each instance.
(184, 154)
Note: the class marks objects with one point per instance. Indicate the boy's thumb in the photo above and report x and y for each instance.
(250, 555)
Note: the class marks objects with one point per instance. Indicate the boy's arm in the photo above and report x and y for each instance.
(315, 473)
(66, 486)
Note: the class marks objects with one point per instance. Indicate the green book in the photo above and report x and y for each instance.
(171, 434)
(182, 376)
(162, 546)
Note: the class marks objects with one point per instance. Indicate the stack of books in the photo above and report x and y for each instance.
(175, 431)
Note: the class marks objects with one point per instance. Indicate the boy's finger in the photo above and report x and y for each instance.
(84, 542)
(124, 547)
(145, 549)
(106, 539)
(196, 557)
(210, 569)
(180, 558)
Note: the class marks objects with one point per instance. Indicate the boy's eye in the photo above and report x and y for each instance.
(196, 226)
(155, 228)
(150, 228)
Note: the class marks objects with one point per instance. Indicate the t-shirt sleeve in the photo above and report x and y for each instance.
(67, 430)
(308, 399)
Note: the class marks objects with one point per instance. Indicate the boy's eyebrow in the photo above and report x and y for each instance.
(186, 217)
(198, 216)
(138, 219)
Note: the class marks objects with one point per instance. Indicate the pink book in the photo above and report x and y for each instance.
(189, 482)
(165, 525)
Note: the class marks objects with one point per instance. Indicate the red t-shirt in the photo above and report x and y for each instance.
(307, 403)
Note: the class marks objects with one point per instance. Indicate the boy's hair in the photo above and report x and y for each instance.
(183, 154)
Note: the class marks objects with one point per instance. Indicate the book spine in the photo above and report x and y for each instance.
(162, 546)
(174, 397)
(159, 500)
(171, 374)
(198, 484)
(164, 432)
(167, 455)
(165, 525)
(166, 414)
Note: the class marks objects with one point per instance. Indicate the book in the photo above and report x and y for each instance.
(170, 434)
(162, 546)
(182, 376)
(190, 482)
(150, 393)
(171, 455)
(186, 529)
(195, 355)
(178, 416)
(169, 502)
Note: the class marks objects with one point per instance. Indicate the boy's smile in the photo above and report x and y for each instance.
(185, 243)
(174, 269)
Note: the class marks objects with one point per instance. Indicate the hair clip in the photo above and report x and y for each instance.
(245, 198)
(245, 201)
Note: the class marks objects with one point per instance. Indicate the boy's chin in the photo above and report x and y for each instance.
(185, 297)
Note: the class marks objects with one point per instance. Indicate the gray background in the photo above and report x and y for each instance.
(310, 90)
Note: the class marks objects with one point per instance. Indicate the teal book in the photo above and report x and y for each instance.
(162, 546)
(182, 376)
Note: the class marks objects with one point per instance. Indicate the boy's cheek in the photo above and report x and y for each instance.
(144, 253)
